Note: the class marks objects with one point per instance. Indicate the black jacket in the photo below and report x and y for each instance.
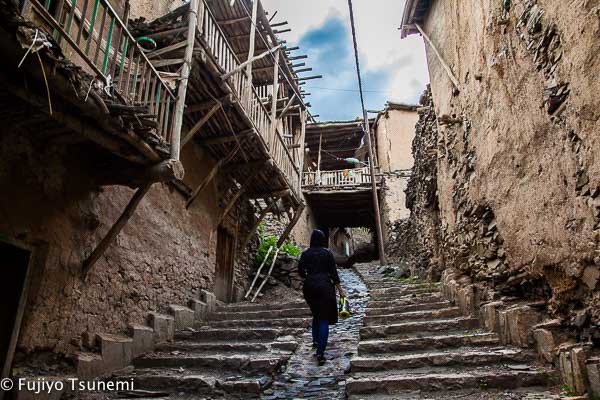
(317, 267)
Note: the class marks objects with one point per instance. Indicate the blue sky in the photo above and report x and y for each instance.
(392, 69)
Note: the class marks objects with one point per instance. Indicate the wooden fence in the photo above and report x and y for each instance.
(94, 30)
(339, 178)
(250, 100)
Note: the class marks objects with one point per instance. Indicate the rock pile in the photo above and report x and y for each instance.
(286, 271)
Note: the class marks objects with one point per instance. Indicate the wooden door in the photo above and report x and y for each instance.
(225, 265)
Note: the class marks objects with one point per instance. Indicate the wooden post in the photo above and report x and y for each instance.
(274, 100)
(260, 219)
(377, 213)
(291, 226)
(204, 183)
(319, 160)
(251, 47)
(439, 56)
(234, 200)
(115, 230)
(183, 83)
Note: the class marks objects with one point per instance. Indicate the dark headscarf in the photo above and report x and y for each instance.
(318, 239)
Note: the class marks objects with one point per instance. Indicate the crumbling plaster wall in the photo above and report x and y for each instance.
(164, 255)
(395, 132)
(152, 9)
(519, 151)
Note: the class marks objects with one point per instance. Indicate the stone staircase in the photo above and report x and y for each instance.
(234, 354)
(416, 345)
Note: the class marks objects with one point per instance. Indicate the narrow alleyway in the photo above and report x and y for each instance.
(416, 345)
(303, 378)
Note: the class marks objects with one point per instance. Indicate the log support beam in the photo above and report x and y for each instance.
(260, 219)
(196, 128)
(89, 263)
(291, 225)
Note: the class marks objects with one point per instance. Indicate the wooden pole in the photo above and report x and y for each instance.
(258, 272)
(291, 226)
(115, 229)
(213, 172)
(251, 48)
(319, 160)
(439, 56)
(381, 247)
(183, 83)
(268, 275)
(274, 99)
(249, 61)
(260, 219)
(234, 200)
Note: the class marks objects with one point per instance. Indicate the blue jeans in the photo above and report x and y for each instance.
(320, 334)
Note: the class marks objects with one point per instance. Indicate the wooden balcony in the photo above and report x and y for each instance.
(94, 36)
(345, 179)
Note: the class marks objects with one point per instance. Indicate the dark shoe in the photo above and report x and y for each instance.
(321, 359)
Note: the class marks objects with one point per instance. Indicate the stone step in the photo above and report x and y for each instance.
(403, 290)
(406, 328)
(194, 382)
(263, 314)
(246, 363)
(412, 316)
(458, 339)
(407, 308)
(405, 301)
(243, 307)
(529, 393)
(238, 334)
(407, 296)
(455, 357)
(434, 381)
(229, 346)
(261, 323)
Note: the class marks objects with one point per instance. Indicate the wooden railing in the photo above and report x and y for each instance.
(109, 51)
(249, 99)
(340, 178)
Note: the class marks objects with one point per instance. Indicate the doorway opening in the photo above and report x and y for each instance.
(225, 265)
(13, 297)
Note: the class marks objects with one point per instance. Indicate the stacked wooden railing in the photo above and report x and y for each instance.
(249, 99)
(338, 179)
(109, 51)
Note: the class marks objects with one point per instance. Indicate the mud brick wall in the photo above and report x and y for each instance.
(165, 254)
(518, 148)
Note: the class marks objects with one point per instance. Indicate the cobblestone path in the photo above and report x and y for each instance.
(303, 378)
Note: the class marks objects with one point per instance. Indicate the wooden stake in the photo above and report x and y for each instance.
(439, 56)
(115, 230)
(183, 83)
(196, 128)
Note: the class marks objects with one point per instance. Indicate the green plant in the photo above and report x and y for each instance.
(568, 390)
(266, 242)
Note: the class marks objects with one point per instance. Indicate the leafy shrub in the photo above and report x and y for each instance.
(268, 241)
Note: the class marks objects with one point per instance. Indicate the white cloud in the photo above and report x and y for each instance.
(379, 42)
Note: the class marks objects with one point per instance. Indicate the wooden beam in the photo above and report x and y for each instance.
(232, 21)
(222, 139)
(248, 62)
(176, 144)
(260, 219)
(277, 193)
(439, 56)
(89, 263)
(291, 226)
(167, 62)
(287, 107)
(234, 200)
(227, 99)
(207, 179)
(274, 97)
(308, 78)
(168, 49)
(196, 128)
(250, 165)
(251, 47)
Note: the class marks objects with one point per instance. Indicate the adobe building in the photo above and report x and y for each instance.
(138, 157)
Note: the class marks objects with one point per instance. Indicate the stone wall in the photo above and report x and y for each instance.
(164, 255)
(518, 173)
(414, 240)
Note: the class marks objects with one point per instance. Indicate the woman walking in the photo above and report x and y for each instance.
(317, 267)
